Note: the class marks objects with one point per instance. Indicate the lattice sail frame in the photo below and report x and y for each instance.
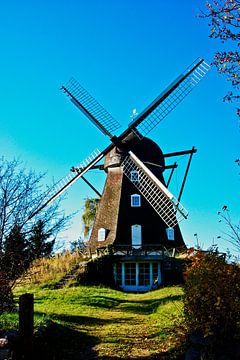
(63, 184)
(172, 100)
(158, 196)
(91, 107)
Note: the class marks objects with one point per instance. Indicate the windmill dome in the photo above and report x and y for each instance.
(146, 150)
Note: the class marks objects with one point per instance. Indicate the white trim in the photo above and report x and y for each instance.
(101, 234)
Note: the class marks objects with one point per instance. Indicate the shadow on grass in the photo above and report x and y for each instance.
(102, 302)
(58, 342)
(144, 307)
(79, 320)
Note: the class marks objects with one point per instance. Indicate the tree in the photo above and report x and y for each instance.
(39, 244)
(224, 19)
(79, 246)
(232, 233)
(21, 195)
(89, 214)
(15, 258)
(23, 235)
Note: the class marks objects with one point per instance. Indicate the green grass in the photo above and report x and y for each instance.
(98, 322)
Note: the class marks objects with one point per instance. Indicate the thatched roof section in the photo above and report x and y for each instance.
(108, 209)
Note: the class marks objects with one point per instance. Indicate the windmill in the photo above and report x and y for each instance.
(134, 165)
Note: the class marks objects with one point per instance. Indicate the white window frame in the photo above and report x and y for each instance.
(101, 234)
(135, 200)
(134, 176)
(136, 235)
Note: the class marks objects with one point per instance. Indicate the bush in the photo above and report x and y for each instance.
(6, 296)
(212, 296)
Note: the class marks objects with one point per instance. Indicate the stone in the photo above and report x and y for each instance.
(3, 343)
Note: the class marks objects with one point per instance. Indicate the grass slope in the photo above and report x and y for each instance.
(101, 323)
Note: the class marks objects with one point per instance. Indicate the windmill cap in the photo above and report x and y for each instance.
(146, 150)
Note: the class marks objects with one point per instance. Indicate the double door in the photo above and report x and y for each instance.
(138, 276)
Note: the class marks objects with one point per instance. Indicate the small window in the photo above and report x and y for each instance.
(170, 233)
(134, 176)
(101, 234)
(136, 236)
(135, 200)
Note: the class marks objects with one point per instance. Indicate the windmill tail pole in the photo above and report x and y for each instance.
(91, 186)
(186, 172)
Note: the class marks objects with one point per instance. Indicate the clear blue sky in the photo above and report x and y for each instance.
(125, 53)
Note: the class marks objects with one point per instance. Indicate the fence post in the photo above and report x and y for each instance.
(26, 324)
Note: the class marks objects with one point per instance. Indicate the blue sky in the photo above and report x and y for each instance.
(124, 53)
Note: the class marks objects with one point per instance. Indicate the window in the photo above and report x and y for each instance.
(101, 234)
(136, 236)
(134, 176)
(144, 274)
(130, 274)
(135, 200)
(170, 233)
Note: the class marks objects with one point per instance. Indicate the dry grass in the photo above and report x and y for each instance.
(50, 270)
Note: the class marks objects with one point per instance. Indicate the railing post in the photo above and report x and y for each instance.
(26, 325)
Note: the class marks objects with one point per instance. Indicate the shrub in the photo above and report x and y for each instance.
(212, 296)
(6, 296)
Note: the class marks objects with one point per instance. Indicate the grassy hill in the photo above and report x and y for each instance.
(90, 322)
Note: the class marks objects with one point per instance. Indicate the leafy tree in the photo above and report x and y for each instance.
(89, 214)
(224, 20)
(39, 244)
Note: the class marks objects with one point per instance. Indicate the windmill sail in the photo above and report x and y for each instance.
(63, 184)
(141, 125)
(170, 98)
(90, 107)
(158, 196)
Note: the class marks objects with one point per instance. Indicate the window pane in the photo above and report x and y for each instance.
(130, 273)
(144, 274)
(134, 176)
(136, 236)
(170, 233)
(101, 234)
(135, 200)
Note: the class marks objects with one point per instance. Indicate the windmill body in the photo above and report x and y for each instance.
(125, 220)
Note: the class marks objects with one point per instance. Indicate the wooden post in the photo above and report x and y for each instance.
(26, 324)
